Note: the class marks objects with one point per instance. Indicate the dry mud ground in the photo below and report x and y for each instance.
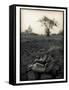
(32, 46)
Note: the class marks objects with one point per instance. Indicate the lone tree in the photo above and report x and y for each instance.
(48, 23)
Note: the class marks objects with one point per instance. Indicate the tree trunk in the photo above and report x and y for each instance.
(47, 32)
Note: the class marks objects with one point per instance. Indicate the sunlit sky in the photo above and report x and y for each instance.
(32, 17)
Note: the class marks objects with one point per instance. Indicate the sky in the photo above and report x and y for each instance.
(32, 17)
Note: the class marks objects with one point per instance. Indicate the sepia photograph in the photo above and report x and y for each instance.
(42, 44)
(38, 44)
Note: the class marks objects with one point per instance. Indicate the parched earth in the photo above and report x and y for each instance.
(37, 48)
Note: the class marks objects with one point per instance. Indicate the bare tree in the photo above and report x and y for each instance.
(48, 23)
